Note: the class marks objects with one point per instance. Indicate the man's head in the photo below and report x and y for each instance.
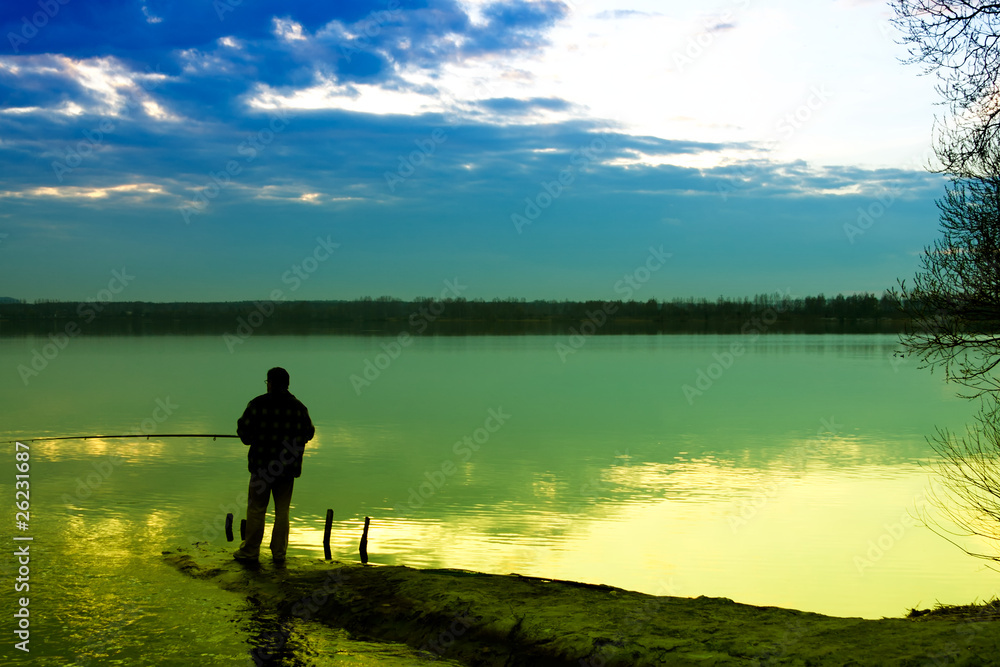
(277, 379)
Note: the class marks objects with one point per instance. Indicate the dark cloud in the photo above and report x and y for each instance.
(354, 41)
(514, 25)
(333, 151)
(720, 27)
(514, 106)
(440, 32)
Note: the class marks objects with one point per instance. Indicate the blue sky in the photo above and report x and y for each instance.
(539, 149)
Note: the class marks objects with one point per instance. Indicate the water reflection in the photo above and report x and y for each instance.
(272, 638)
(276, 639)
(107, 598)
(766, 489)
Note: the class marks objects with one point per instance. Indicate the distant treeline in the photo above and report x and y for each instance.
(856, 313)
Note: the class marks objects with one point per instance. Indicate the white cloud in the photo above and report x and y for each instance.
(67, 108)
(133, 190)
(150, 17)
(294, 193)
(113, 89)
(328, 94)
(288, 30)
(819, 82)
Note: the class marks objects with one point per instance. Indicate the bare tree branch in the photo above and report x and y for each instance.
(956, 40)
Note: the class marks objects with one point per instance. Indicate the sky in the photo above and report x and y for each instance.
(232, 150)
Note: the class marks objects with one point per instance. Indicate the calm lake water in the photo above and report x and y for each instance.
(785, 475)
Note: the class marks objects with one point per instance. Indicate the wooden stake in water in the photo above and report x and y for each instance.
(363, 548)
(229, 527)
(326, 534)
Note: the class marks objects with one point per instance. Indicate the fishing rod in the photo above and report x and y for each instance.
(147, 436)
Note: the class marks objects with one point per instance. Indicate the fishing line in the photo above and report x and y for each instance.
(147, 436)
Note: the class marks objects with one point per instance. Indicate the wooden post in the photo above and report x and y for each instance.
(326, 534)
(243, 529)
(229, 527)
(363, 548)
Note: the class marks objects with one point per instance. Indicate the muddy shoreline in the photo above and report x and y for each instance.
(490, 620)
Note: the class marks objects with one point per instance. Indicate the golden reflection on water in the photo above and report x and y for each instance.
(820, 529)
(119, 450)
(97, 589)
(818, 538)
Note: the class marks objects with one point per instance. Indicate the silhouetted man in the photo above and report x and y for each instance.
(277, 427)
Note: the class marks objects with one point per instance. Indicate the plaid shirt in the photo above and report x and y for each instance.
(277, 427)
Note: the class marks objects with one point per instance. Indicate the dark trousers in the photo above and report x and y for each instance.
(257, 500)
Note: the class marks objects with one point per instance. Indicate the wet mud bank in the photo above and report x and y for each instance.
(483, 619)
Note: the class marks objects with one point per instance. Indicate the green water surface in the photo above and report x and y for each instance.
(783, 471)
